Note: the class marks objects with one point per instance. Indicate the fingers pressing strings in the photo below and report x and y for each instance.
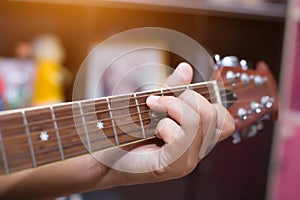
(180, 131)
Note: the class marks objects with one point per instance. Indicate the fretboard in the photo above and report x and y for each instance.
(37, 136)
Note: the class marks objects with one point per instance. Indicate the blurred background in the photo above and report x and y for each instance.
(43, 44)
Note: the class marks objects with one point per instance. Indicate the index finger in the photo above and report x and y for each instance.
(182, 75)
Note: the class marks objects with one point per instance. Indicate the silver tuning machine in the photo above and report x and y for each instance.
(230, 61)
(267, 101)
(236, 137)
(248, 132)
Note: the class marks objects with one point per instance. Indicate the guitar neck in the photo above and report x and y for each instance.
(37, 136)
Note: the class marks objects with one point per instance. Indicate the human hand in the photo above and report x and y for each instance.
(193, 127)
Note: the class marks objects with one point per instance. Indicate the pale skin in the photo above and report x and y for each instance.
(191, 118)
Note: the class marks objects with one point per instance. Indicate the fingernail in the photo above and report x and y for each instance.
(152, 99)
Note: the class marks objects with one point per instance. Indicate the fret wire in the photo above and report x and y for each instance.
(85, 127)
(79, 143)
(57, 134)
(29, 139)
(121, 133)
(62, 109)
(141, 112)
(199, 85)
(65, 127)
(88, 113)
(4, 158)
(176, 89)
(94, 140)
(217, 92)
(112, 121)
(101, 111)
(121, 124)
(137, 139)
(140, 115)
(162, 92)
(46, 160)
(104, 138)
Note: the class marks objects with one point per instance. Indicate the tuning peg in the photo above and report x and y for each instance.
(252, 130)
(230, 61)
(260, 125)
(230, 75)
(243, 113)
(245, 78)
(217, 59)
(266, 117)
(256, 107)
(236, 137)
(267, 101)
(244, 64)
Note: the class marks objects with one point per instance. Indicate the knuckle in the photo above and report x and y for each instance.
(189, 94)
(195, 119)
(163, 125)
(211, 112)
(168, 98)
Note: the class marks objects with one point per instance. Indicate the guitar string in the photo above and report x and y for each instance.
(131, 98)
(107, 127)
(73, 115)
(120, 125)
(193, 86)
(103, 111)
(100, 111)
(110, 127)
(156, 91)
(75, 145)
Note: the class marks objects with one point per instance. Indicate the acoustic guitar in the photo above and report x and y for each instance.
(36, 136)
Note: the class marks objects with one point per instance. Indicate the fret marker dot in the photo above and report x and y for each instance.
(44, 136)
(100, 125)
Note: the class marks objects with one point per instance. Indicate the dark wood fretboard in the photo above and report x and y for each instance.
(36, 136)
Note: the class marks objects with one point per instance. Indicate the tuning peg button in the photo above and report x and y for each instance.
(252, 130)
(244, 64)
(245, 78)
(217, 58)
(236, 137)
(256, 107)
(267, 101)
(260, 125)
(258, 80)
(230, 75)
(242, 113)
(230, 61)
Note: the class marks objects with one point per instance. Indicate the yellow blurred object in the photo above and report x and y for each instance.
(49, 83)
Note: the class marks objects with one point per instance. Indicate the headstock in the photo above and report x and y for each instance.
(251, 95)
